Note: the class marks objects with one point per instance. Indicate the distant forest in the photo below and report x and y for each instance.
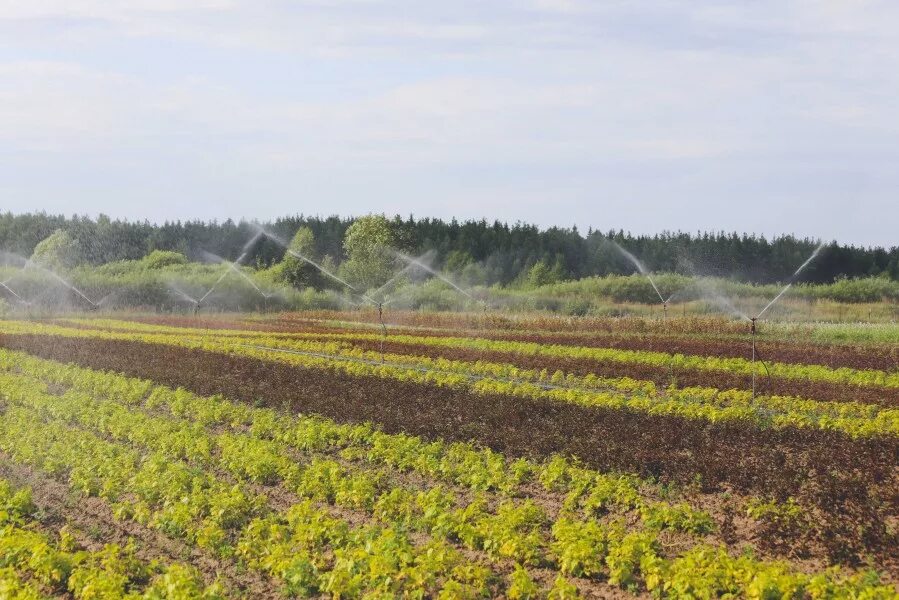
(501, 252)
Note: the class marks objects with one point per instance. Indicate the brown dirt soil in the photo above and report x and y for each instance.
(853, 484)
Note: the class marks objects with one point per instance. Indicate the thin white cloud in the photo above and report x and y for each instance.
(783, 101)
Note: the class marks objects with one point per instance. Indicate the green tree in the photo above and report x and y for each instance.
(368, 244)
(295, 271)
(539, 274)
(542, 274)
(57, 251)
(457, 260)
(159, 259)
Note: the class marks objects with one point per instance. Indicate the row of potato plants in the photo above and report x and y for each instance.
(581, 547)
(843, 375)
(851, 418)
(36, 564)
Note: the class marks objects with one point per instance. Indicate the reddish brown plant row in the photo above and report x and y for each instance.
(829, 355)
(817, 390)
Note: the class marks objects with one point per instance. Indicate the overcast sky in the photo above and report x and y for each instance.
(767, 116)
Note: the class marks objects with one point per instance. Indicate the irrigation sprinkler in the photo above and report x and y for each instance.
(752, 331)
(641, 268)
(383, 328)
(753, 320)
(232, 266)
(665, 310)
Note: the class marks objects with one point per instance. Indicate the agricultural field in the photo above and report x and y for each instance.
(446, 455)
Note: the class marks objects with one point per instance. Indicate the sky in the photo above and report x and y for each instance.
(765, 117)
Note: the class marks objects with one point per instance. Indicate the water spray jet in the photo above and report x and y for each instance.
(91, 304)
(195, 304)
(753, 320)
(232, 267)
(412, 261)
(309, 261)
(13, 292)
(645, 272)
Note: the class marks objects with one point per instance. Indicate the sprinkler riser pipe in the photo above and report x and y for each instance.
(383, 328)
(752, 331)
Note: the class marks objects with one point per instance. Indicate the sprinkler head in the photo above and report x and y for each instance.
(752, 324)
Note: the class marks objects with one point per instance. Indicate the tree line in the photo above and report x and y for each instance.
(477, 251)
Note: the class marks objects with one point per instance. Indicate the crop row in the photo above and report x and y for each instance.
(580, 547)
(663, 374)
(185, 502)
(34, 565)
(712, 364)
(854, 419)
(645, 373)
(775, 344)
(492, 324)
(458, 464)
(850, 483)
(566, 330)
(266, 461)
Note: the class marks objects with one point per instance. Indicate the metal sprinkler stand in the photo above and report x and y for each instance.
(383, 327)
(665, 310)
(752, 333)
